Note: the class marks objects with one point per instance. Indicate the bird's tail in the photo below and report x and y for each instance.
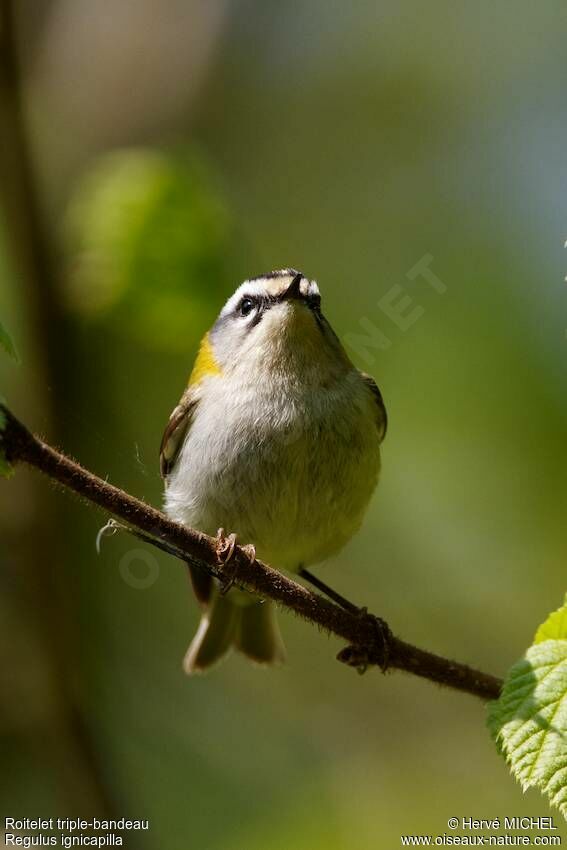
(252, 629)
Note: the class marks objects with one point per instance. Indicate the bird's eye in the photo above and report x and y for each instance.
(246, 306)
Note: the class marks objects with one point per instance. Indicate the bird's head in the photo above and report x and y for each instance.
(275, 322)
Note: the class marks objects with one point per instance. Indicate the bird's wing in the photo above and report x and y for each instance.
(172, 440)
(381, 415)
(176, 430)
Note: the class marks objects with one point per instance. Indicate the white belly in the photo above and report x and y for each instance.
(292, 475)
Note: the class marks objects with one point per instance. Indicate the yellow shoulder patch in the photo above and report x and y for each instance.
(205, 363)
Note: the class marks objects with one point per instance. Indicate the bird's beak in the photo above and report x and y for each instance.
(294, 289)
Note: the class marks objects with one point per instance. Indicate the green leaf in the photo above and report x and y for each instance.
(555, 627)
(149, 233)
(7, 344)
(529, 720)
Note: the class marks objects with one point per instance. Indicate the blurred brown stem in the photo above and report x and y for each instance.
(370, 641)
(72, 749)
(27, 238)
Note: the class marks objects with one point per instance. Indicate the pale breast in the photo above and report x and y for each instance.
(291, 473)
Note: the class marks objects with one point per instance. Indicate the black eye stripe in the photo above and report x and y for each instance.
(260, 303)
(312, 301)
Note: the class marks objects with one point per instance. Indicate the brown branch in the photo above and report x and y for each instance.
(370, 641)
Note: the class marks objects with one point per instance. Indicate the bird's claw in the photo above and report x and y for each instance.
(226, 544)
(225, 551)
(360, 657)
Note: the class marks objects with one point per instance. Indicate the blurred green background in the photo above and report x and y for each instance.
(178, 148)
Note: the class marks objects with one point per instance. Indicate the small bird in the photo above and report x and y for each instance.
(277, 438)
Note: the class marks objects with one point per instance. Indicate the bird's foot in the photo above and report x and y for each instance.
(226, 551)
(361, 657)
(226, 545)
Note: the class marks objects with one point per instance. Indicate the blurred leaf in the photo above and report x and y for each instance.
(529, 720)
(555, 627)
(149, 239)
(6, 469)
(7, 344)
